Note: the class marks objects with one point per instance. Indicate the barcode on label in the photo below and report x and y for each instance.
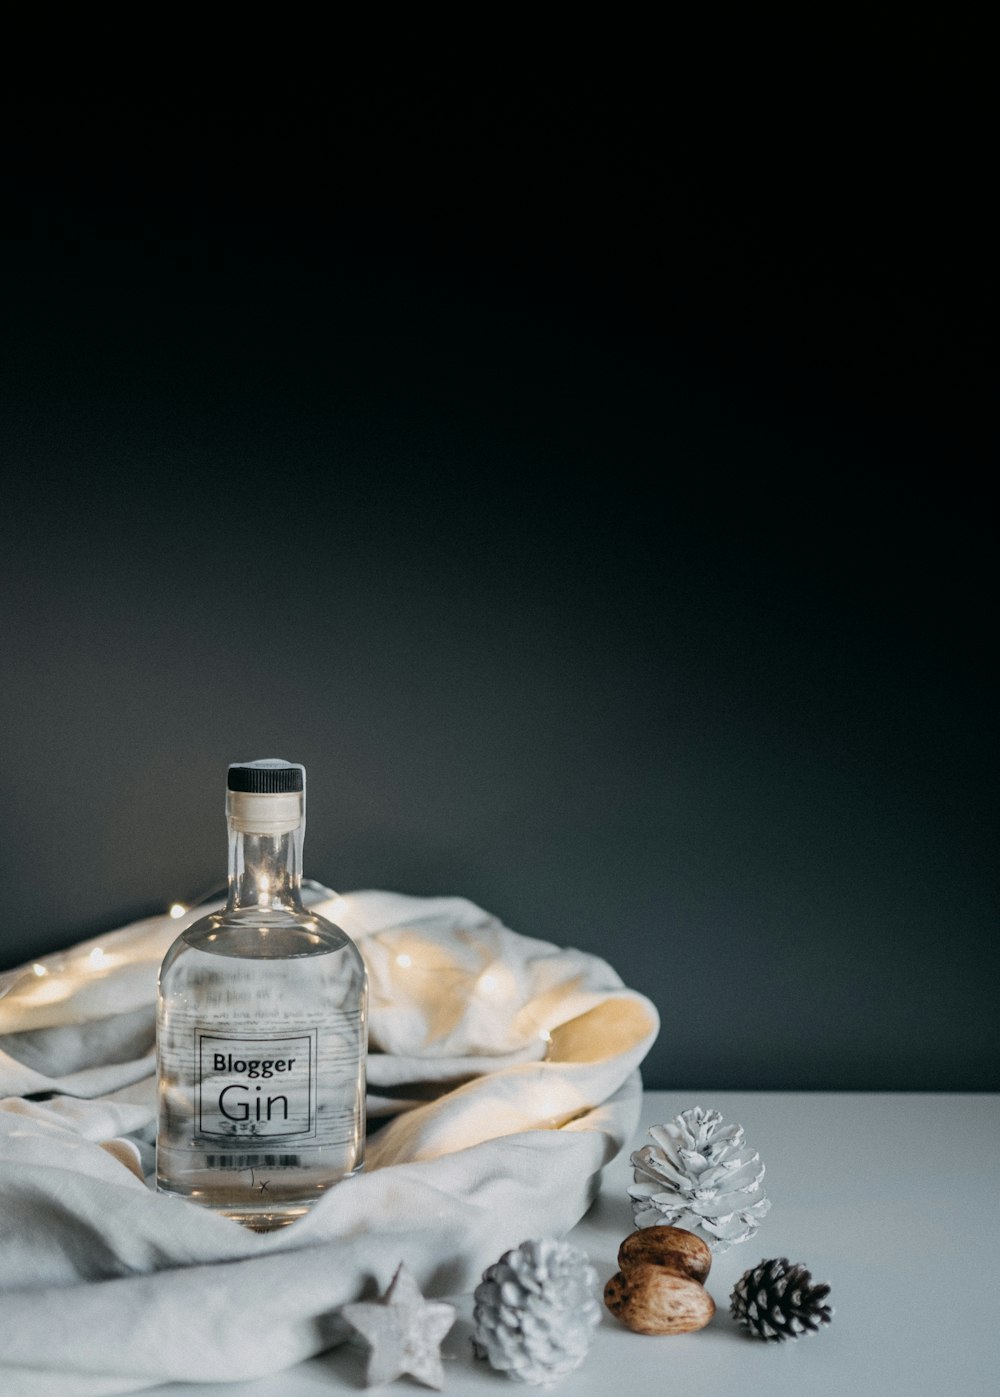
(251, 1161)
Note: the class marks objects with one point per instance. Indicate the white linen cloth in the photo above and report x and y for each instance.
(509, 1067)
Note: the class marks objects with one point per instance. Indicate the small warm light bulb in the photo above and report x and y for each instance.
(404, 960)
(39, 969)
(264, 882)
(177, 909)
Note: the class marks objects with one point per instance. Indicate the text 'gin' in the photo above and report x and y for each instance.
(262, 1027)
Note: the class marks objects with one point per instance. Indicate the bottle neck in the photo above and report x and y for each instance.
(265, 870)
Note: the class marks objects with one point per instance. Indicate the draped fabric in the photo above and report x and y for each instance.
(505, 1070)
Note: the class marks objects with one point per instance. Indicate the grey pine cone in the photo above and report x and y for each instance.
(535, 1311)
(699, 1174)
(777, 1301)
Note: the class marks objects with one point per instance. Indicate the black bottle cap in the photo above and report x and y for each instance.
(269, 776)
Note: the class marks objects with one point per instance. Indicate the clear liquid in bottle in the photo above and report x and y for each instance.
(261, 1030)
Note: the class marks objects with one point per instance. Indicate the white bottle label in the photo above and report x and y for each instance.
(261, 1088)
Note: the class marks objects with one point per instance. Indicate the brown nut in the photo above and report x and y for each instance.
(651, 1299)
(667, 1246)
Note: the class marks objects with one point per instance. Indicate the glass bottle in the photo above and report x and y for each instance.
(262, 1027)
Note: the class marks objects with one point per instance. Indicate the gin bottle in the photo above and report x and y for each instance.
(261, 1027)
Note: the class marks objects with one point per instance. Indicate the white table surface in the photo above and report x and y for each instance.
(894, 1200)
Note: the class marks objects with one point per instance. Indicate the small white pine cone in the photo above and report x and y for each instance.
(699, 1174)
(535, 1311)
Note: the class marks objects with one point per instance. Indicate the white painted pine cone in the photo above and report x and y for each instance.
(699, 1174)
(535, 1311)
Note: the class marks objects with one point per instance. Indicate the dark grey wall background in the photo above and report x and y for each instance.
(605, 535)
